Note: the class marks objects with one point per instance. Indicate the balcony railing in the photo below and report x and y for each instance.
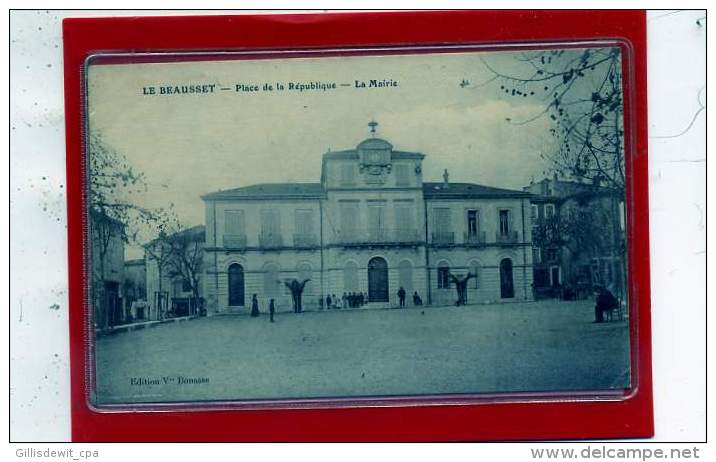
(305, 240)
(378, 236)
(443, 238)
(270, 240)
(235, 241)
(475, 238)
(509, 237)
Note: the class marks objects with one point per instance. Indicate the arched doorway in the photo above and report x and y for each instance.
(377, 280)
(236, 285)
(507, 286)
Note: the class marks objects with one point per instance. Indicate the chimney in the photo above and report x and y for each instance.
(445, 179)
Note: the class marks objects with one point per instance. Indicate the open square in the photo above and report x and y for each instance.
(535, 346)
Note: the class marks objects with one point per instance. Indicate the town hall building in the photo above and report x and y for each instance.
(371, 225)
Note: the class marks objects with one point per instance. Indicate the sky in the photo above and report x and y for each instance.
(188, 145)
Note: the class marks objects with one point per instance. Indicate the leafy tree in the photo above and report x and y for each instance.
(582, 228)
(113, 216)
(160, 251)
(186, 255)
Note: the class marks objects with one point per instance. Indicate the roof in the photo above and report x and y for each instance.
(135, 262)
(270, 191)
(462, 190)
(197, 232)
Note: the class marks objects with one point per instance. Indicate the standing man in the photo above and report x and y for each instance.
(272, 310)
(401, 297)
(254, 306)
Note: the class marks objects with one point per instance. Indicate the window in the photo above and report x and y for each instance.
(442, 226)
(535, 212)
(234, 224)
(443, 220)
(504, 222)
(472, 224)
(555, 276)
(404, 213)
(443, 276)
(185, 285)
(536, 255)
(348, 175)
(551, 254)
(349, 219)
(376, 220)
(270, 222)
(549, 210)
(402, 175)
(546, 190)
(304, 222)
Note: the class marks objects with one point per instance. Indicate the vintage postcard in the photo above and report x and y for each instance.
(404, 224)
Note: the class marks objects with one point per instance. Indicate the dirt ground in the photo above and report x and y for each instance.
(539, 346)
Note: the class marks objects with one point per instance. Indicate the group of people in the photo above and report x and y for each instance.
(348, 300)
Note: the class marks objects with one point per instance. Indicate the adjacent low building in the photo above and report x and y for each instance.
(107, 265)
(579, 237)
(135, 288)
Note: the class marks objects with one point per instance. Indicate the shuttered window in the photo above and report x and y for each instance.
(349, 219)
(443, 220)
(404, 213)
(304, 222)
(376, 220)
(348, 175)
(234, 223)
(270, 222)
(402, 175)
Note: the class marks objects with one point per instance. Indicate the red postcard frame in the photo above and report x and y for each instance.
(498, 420)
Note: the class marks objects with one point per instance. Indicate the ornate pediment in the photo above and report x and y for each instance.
(374, 156)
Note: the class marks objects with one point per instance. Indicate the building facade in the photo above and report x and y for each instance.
(371, 225)
(578, 236)
(107, 264)
(135, 288)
